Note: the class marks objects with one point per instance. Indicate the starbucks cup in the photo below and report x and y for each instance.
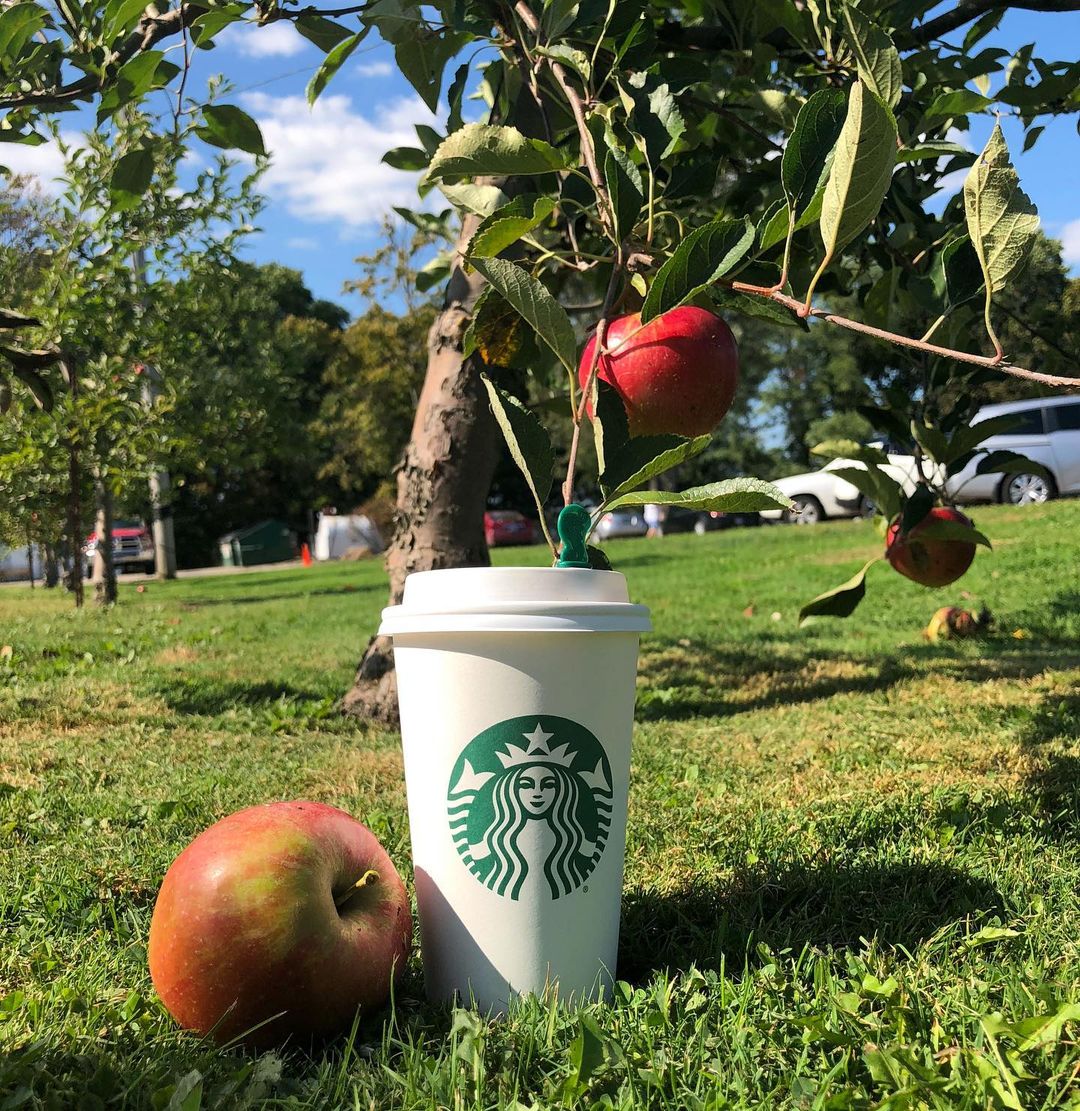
(516, 693)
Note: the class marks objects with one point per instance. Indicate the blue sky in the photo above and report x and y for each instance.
(328, 188)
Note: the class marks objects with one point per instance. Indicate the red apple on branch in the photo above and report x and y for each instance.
(927, 560)
(287, 917)
(676, 374)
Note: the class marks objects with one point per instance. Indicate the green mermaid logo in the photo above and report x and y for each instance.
(529, 802)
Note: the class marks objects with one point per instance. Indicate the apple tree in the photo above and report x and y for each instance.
(771, 160)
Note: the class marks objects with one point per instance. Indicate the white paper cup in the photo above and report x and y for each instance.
(516, 693)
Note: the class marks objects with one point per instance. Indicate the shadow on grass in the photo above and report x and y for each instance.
(348, 588)
(203, 696)
(897, 905)
(715, 680)
(1054, 778)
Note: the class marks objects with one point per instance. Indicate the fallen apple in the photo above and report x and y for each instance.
(279, 921)
(676, 374)
(928, 560)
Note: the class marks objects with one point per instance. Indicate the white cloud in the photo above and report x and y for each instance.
(375, 69)
(326, 161)
(302, 243)
(43, 162)
(275, 40)
(1070, 243)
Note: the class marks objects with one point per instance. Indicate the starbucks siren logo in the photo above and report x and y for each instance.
(529, 804)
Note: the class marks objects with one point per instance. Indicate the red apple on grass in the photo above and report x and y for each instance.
(289, 915)
(926, 560)
(676, 374)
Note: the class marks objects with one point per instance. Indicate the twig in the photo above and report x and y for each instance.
(603, 201)
(183, 80)
(994, 362)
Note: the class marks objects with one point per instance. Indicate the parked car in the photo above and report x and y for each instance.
(1047, 431)
(821, 494)
(701, 522)
(503, 527)
(621, 522)
(133, 547)
(15, 563)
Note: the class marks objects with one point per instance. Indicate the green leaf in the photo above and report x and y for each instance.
(655, 119)
(479, 199)
(229, 127)
(861, 170)
(324, 33)
(527, 439)
(558, 17)
(931, 440)
(957, 274)
(839, 602)
(209, 24)
(332, 63)
(849, 449)
(623, 180)
(598, 559)
(611, 428)
(732, 495)
(959, 102)
(975, 434)
(17, 24)
(1032, 137)
(532, 300)
(930, 150)
(875, 56)
(508, 224)
(406, 158)
(131, 177)
(133, 80)
(633, 463)
(916, 507)
(1009, 462)
(454, 96)
(761, 308)
(1037, 1031)
(881, 488)
(703, 256)
(434, 273)
(1001, 219)
(422, 57)
(587, 1054)
(121, 17)
(480, 149)
(809, 150)
(570, 56)
(952, 530)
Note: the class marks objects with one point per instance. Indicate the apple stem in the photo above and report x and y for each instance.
(370, 876)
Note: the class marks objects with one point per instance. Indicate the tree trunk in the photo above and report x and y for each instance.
(442, 480)
(52, 565)
(75, 536)
(104, 576)
(30, 556)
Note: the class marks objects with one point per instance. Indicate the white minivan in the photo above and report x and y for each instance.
(1047, 431)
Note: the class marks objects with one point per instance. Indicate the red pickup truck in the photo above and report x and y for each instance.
(133, 547)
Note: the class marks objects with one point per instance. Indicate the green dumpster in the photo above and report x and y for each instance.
(266, 542)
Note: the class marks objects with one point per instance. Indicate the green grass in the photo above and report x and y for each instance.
(853, 857)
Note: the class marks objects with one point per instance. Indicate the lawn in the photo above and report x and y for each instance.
(852, 868)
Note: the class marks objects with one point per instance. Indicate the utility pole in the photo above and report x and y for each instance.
(160, 487)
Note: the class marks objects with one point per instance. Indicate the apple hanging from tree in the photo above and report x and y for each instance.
(928, 560)
(676, 374)
(287, 917)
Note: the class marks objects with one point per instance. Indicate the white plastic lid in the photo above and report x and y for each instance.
(515, 599)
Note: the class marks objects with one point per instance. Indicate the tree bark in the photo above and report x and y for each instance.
(442, 480)
(52, 565)
(104, 570)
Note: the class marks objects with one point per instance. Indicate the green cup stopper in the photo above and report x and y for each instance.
(573, 527)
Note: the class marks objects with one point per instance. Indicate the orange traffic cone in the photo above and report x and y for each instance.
(305, 555)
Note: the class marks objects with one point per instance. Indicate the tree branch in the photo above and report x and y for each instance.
(994, 362)
(968, 10)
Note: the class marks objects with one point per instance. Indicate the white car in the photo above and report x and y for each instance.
(1047, 431)
(821, 494)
